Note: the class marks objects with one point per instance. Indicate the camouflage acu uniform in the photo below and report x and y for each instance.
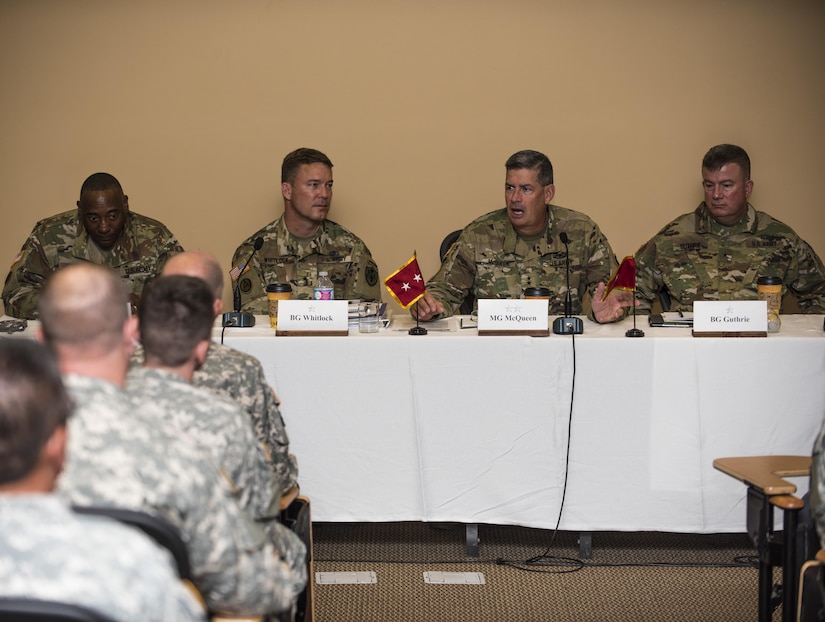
(490, 260)
(240, 377)
(122, 455)
(222, 427)
(696, 258)
(49, 553)
(138, 256)
(817, 489)
(286, 259)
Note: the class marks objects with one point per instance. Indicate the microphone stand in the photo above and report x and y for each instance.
(237, 318)
(567, 325)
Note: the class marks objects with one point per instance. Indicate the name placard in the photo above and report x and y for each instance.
(313, 317)
(513, 317)
(730, 318)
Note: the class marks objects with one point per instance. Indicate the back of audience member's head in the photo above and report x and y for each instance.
(199, 264)
(176, 313)
(33, 405)
(83, 306)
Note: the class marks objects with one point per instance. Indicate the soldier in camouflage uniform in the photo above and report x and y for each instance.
(238, 375)
(48, 552)
(175, 329)
(302, 242)
(506, 251)
(718, 251)
(124, 455)
(101, 230)
(817, 487)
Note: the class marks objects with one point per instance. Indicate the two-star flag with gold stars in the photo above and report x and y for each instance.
(406, 284)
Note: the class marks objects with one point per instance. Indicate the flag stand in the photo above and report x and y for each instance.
(634, 332)
(417, 329)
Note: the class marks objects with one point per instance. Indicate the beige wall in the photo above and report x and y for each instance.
(192, 105)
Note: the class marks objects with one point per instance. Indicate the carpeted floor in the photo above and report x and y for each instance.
(631, 576)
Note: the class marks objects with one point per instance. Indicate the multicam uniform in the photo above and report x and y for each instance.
(138, 256)
(221, 426)
(118, 454)
(240, 377)
(491, 260)
(48, 552)
(817, 497)
(695, 258)
(283, 258)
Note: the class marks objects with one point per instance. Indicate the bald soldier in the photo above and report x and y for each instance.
(102, 230)
(238, 375)
(123, 454)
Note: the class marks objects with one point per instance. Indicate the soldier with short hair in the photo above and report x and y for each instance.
(101, 230)
(304, 242)
(237, 375)
(718, 251)
(47, 551)
(123, 454)
(175, 326)
(504, 252)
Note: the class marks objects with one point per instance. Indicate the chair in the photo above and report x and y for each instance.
(297, 517)
(159, 529)
(468, 303)
(810, 605)
(33, 610)
(766, 490)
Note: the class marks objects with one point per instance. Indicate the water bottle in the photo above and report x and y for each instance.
(323, 287)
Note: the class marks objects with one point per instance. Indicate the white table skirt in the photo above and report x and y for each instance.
(455, 427)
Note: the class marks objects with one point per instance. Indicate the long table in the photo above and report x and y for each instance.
(452, 426)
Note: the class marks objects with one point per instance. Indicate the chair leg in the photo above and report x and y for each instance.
(471, 532)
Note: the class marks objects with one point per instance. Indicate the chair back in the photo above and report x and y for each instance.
(14, 609)
(469, 302)
(159, 529)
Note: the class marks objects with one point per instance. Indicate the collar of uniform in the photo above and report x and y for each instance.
(515, 244)
(706, 224)
(302, 247)
(124, 250)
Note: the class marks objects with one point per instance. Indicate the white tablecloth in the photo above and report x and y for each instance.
(452, 426)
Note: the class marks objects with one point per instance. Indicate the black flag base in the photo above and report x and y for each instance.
(417, 329)
(634, 332)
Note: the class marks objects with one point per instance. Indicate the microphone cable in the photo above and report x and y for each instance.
(545, 559)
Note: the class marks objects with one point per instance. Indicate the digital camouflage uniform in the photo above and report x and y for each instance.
(122, 455)
(696, 258)
(138, 256)
(48, 552)
(490, 260)
(240, 377)
(817, 488)
(222, 427)
(283, 258)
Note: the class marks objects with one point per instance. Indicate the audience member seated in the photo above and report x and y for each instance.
(238, 375)
(47, 552)
(122, 455)
(175, 326)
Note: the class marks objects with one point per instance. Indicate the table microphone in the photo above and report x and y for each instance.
(567, 325)
(237, 318)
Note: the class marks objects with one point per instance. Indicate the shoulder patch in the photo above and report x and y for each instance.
(245, 285)
(371, 275)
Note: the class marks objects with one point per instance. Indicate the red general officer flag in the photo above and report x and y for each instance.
(406, 284)
(624, 277)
